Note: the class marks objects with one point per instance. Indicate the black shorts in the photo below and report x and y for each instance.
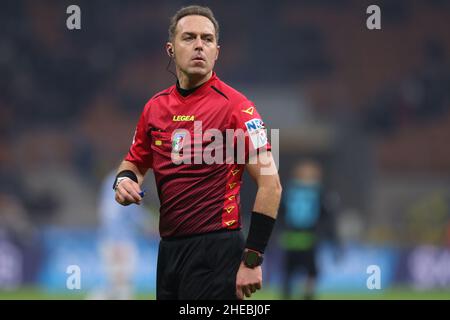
(301, 259)
(201, 267)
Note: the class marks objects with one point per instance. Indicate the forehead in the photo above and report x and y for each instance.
(195, 24)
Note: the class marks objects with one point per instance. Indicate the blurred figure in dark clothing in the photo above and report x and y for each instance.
(306, 218)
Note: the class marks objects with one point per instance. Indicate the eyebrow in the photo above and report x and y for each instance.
(190, 33)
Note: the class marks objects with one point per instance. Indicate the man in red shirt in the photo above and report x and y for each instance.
(202, 253)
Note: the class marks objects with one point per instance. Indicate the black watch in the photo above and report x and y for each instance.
(252, 259)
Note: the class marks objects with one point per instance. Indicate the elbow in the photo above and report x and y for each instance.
(270, 185)
(275, 186)
(278, 189)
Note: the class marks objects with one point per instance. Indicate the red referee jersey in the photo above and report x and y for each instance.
(195, 197)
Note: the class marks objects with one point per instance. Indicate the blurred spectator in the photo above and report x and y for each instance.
(421, 95)
(307, 216)
(14, 219)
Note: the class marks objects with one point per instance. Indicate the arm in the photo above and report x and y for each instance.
(127, 190)
(265, 174)
(265, 210)
(138, 171)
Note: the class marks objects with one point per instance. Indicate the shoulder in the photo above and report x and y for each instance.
(235, 98)
(164, 93)
(160, 97)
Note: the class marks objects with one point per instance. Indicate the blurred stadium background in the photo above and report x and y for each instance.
(372, 105)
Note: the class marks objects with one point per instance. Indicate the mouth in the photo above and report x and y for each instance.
(198, 59)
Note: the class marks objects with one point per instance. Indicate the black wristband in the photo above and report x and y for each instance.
(261, 226)
(125, 173)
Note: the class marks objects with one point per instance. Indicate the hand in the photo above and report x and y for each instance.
(248, 281)
(127, 192)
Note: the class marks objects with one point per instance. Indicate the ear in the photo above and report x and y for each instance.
(217, 53)
(169, 49)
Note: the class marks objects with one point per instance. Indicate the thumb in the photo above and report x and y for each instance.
(239, 293)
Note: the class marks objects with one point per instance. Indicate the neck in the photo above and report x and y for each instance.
(192, 81)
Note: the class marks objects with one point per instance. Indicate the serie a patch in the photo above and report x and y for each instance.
(257, 132)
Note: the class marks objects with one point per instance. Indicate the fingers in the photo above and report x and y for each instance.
(128, 192)
(246, 290)
(121, 200)
(131, 192)
(239, 293)
(136, 188)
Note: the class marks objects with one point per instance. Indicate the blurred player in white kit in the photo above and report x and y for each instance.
(118, 233)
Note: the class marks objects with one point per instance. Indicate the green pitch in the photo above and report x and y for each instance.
(398, 293)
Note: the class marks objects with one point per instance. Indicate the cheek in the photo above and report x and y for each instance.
(182, 53)
(184, 59)
(213, 56)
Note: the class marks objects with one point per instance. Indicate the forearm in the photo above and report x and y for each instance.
(264, 213)
(268, 198)
(138, 171)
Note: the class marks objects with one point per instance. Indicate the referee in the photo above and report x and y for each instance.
(202, 252)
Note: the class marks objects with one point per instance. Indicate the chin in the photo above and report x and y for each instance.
(195, 71)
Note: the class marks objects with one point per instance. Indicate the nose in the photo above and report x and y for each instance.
(198, 45)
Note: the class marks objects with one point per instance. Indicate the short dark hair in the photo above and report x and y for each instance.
(192, 11)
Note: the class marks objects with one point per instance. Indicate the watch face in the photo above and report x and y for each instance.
(252, 259)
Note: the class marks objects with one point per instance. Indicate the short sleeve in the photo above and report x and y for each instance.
(246, 119)
(140, 152)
